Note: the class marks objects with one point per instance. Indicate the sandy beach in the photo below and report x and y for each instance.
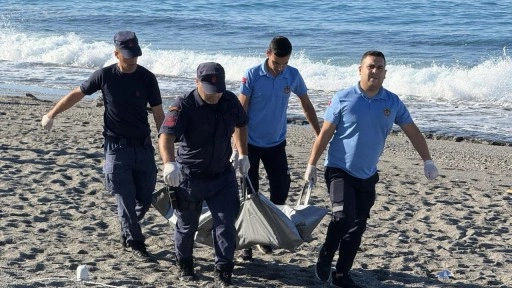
(55, 214)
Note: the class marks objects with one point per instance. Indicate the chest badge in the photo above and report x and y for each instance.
(287, 90)
(387, 112)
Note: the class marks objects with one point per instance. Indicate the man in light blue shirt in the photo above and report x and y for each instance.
(356, 125)
(363, 123)
(264, 93)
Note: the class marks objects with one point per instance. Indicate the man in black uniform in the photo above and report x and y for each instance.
(204, 121)
(129, 167)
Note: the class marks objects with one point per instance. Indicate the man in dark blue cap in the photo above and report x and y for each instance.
(204, 121)
(129, 167)
(127, 43)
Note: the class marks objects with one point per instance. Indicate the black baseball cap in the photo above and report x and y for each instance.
(212, 76)
(128, 44)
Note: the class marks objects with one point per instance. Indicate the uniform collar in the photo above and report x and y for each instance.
(198, 98)
(379, 95)
(264, 70)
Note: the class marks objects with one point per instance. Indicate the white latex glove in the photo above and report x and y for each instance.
(430, 170)
(310, 175)
(243, 164)
(234, 159)
(172, 174)
(47, 123)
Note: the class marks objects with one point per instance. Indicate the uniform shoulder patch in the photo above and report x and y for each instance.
(170, 120)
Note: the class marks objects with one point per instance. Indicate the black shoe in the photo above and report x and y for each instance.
(186, 270)
(247, 254)
(344, 281)
(139, 252)
(266, 249)
(323, 265)
(222, 279)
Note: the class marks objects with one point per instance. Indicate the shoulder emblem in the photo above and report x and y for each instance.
(172, 116)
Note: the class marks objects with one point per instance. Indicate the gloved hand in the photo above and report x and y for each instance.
(310, 175)
(47, 123)
(430, 169)
(234, 159)
(172, 174)
(243, 164)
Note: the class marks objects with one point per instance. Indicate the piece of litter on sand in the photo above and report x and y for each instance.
(444, 275)
(82, 273)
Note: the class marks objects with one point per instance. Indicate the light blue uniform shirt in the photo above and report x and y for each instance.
(268, 102)
(362, 125)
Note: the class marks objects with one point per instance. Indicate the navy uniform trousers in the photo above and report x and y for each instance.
(222, 197)
(351, 200)
(130, 175)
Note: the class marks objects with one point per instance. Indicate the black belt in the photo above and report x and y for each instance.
(128, 142)
(205, 176)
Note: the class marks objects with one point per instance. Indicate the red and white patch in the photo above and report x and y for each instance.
(170, 120)
(244, 80)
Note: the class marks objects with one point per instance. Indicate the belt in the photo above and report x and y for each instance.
(205, 176)
(128, 142)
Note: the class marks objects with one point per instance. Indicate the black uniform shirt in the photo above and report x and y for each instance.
(126, 96)
(204, 131)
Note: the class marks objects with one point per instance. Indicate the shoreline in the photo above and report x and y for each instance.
(301, 121)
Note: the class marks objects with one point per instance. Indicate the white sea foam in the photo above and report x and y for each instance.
(51, 64)
(486, 83)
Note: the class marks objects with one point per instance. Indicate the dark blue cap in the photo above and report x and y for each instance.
(128, 44)
(212, 76)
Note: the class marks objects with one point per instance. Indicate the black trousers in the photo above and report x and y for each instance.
(276, 165)
(351, 199)
(221, 196)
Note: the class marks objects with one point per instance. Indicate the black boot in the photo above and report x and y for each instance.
(343, 281)
(140, 252)
(186, 270)
(323, 265)
(222, 278)
(246, 255)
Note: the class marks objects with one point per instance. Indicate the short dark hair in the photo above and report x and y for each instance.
(280, 46)
(373, 53)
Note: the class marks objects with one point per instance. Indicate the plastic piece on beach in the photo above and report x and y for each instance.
(82, 273)
(444, 275)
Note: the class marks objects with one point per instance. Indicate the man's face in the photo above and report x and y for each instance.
(276, 64)
(208, 98)
(127, 65)
(372, 72)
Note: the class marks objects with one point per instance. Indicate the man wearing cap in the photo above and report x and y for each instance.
(129, 166)
(204, 121)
